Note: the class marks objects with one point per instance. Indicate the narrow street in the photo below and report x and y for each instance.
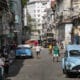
(37, 69)
(25, 24)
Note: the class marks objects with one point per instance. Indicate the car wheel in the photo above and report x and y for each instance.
(32, 57)
(17, 57)
(68, 74)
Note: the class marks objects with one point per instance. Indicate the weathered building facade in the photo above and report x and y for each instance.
(10, 22)
(5, 19)
(76, 20)
(67, 14)
(64, 20)
(16, 10)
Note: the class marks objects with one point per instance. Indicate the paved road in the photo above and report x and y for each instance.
(37, 69)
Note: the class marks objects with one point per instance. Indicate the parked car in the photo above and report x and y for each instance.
(71, 60)
(24, 51)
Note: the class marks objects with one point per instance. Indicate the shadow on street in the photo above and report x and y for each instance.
(15, 67)
(8, 79)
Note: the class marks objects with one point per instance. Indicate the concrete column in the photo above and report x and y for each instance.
(18, 19)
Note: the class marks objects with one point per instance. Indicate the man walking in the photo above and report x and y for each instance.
(55, 52)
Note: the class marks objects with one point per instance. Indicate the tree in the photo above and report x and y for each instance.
(24, 2)
(28, 28)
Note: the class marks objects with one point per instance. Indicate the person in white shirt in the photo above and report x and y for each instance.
(38, 49)
(2, 60)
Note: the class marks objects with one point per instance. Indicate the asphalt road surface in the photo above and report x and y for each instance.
(42, 68)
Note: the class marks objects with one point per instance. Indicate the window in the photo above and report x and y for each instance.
(39, 24)
(50, 40)
(38, 15)
(34, 15)
(74, 53)
(50, 34)
(38, 10)
(38, 20)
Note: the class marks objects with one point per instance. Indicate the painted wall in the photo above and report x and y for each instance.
(68, 28)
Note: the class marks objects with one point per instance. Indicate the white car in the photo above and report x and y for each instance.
(71, 60)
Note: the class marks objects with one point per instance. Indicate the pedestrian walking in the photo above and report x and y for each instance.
(6, 63)
(56, 53)
(2, 62)
(50, 49)
(38, 50)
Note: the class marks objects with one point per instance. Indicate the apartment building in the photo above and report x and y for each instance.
(67, 20)
(76, 20)
(6, 19)
(62, 16)
(36, 10)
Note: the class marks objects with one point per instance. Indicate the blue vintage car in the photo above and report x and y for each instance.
(71, 60)
(24, 51)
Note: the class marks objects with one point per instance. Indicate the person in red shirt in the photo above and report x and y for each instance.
(36, 43)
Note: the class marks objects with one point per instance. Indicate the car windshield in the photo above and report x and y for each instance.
(74, 53)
